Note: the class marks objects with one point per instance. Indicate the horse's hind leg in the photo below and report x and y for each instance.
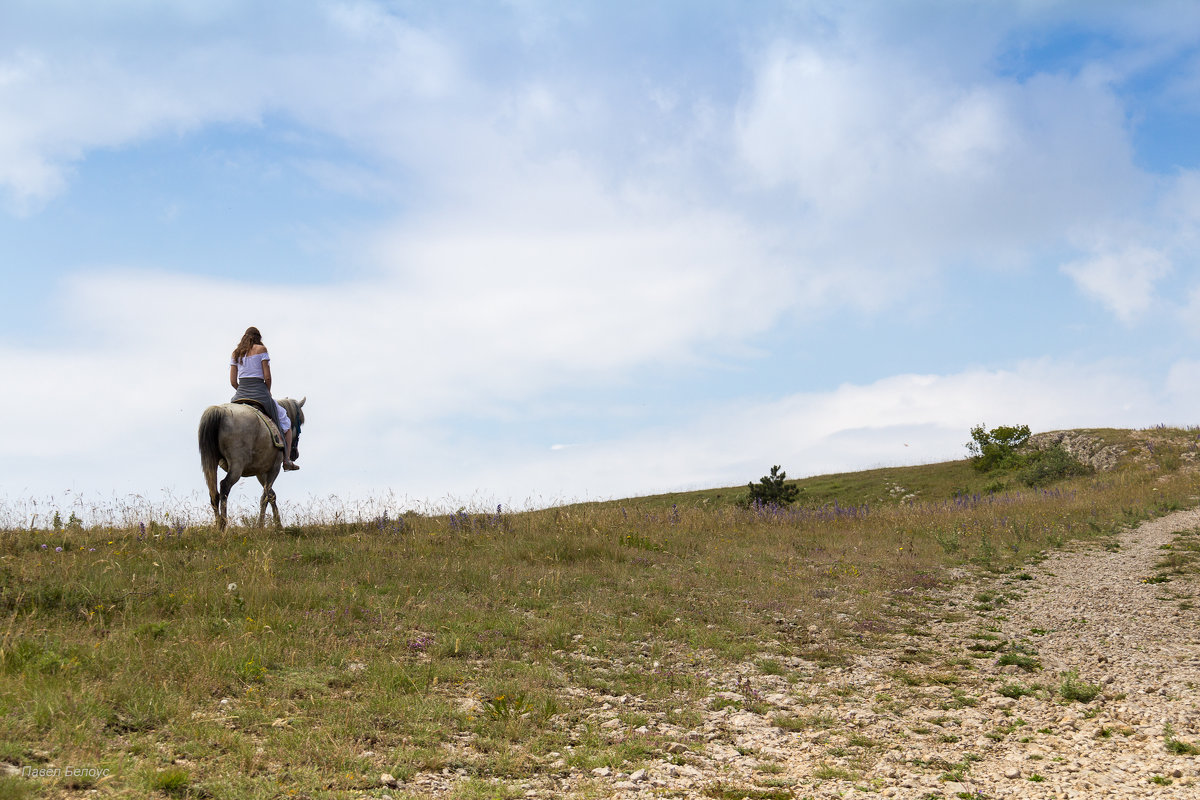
(214, 497)
(226, 485)
(217, 494)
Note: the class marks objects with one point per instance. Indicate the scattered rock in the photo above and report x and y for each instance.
(1082, 447)
(469, 705)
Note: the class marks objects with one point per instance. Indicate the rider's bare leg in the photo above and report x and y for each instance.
(288, 464)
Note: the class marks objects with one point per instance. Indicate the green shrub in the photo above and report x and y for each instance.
(1052, 464)
(772, 490)
(1027, 663)
(1178, 746)
(172, 781)
(1004, 448)
(996, 448)
(1075, 688)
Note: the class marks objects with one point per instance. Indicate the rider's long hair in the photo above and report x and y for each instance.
(250, 338)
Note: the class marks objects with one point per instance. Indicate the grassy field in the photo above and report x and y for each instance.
(177, 661)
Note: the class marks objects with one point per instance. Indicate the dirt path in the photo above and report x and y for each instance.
(1103, 616)
(936, 714)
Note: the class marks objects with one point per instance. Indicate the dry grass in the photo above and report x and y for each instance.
(190, 663)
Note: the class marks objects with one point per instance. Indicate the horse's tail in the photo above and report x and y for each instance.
(210, 448)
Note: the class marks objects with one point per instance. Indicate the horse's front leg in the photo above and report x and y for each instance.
(275, 511)
(268, 496)
(262, 506)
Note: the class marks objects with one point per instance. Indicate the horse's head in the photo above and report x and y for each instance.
(295, 411)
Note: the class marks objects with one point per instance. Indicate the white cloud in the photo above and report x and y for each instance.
(381, 388)
(1123, 281)
(1183, 379)
(903, 164)
(561, 242)
(937, 167)
(470, 317)
(476, 324)
(345, 68)
(903, 419)
(1188, 313)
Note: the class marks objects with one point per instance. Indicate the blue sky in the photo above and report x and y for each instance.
(529, 252)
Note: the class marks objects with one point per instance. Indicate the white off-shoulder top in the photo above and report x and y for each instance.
(250, 366)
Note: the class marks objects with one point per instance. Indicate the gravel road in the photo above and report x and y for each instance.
(1105, 651)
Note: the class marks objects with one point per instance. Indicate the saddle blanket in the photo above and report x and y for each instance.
(272, 425)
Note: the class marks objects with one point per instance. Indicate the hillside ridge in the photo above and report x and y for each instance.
(1102, 449)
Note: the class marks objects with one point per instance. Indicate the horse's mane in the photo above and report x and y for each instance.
(293, 410)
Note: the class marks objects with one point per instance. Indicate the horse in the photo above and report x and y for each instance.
(233, 435)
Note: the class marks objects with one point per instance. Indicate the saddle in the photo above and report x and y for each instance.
(272, 425)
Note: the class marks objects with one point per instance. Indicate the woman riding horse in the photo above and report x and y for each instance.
(250, 375)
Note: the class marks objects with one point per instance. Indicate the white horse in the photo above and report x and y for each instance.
(234, 436)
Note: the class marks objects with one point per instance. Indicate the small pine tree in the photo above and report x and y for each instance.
(772, 490)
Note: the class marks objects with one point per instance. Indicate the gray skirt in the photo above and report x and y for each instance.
(256, 389)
